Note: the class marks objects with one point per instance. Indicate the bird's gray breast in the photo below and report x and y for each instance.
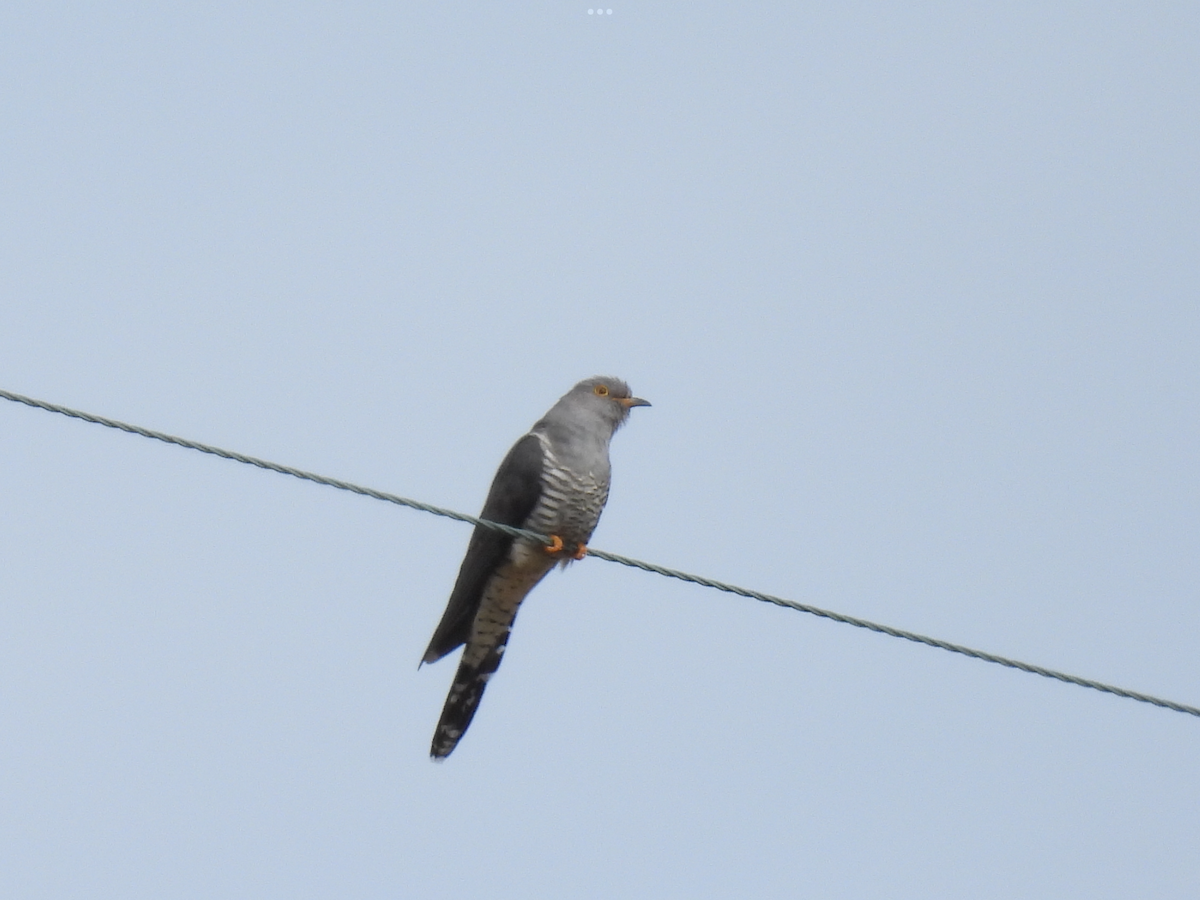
(574, 491)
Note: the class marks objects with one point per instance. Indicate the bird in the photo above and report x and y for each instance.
(554, 481)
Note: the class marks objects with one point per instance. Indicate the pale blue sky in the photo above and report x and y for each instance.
(913, 291)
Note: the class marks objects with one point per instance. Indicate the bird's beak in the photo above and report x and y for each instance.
(630, 402)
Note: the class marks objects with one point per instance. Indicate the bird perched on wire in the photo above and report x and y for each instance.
(554, 481)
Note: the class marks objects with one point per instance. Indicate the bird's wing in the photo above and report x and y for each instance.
(514, 493)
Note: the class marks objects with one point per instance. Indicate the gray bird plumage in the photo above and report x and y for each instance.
(553, 481)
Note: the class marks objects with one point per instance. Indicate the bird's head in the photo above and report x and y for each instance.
(608, 398)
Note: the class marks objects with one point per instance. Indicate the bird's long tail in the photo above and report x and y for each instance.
(462, 701)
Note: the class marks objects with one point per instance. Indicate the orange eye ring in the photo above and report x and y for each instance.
(601, 390)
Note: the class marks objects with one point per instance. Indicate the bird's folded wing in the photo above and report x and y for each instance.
(514, 493)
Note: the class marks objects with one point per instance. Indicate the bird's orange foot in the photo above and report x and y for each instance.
(555, 545)
(580, 551)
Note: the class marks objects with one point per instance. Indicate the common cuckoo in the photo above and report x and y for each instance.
(554, 481)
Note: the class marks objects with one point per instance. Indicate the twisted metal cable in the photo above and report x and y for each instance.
(270, 466)
(609, 557)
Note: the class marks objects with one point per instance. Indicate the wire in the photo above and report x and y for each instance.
(609, 557)
(270, 466)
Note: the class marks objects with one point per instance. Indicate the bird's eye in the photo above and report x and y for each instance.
(601, 390)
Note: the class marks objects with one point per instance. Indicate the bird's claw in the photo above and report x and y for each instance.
(556, 546)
